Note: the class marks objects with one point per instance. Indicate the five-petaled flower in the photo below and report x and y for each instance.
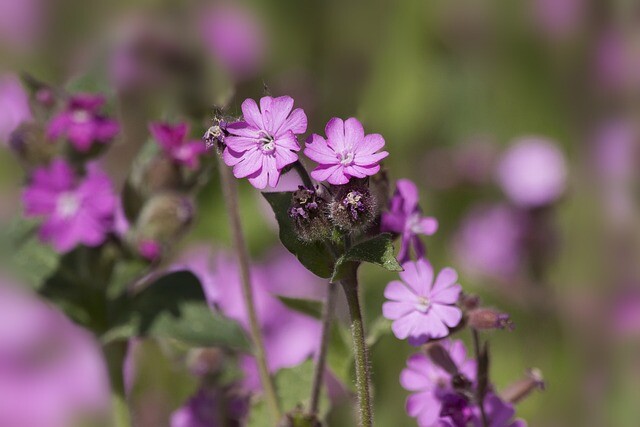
(75, 211)
(174, 142)
(261, 145)
(82, 123)
(420, 308)
(346, 153)
(405, 217)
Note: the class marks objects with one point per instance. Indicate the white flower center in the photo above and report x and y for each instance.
(183, 153)
(346, 158)
(268, 144)
(80, 116)
(423, 304)
(67, 205)
(413, 223)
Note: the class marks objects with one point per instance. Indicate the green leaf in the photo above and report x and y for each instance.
(378, 328)
(305, 306)
(378, 250)
(124, 274)
(175, 307)
(293, 387)
(316, 257)
(23, 254)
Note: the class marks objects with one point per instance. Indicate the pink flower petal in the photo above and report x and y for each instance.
(251, 163)
(353, 132)
(448, 314)
(251, 114)
(371, 143)
(447, 277)
(393, 310)
(398, 291)
(296, 123)
(275, 111)
(335, 134)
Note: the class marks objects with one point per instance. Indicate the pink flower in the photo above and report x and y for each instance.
(265, 142)
(431, 384)
(74, 211)
(421, 309)
(82, 123)
(346, 153)
(173, 141)
(532, 172)
(14, 106)
(405, 217)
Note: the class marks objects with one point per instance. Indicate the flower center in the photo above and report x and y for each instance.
(346, 158)
(413, 223)
(268, 143)
(67, 205)
(423, 304)
(80, 116)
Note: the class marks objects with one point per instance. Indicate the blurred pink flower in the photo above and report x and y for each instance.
(261, 145)
(489, 242)
(82, 123)
(14, 105)
(421, 308)
(74, 211)
(174, 142)
(51, 371)
(617, 61)
(558, 18)
(20, 23)
(236, 39)
(532, 172)
(346, 153)
(405, 218)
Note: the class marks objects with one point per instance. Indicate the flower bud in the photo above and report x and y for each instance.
(488, 318)
(517, 391)
(353, 209)
(30, 145)
(297, 418)
(161, 174)
(164, 218)
(309, 214)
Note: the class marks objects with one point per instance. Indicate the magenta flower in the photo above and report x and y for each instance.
(75, 211)
(405, 218)
(346, 153)
(264, 143)
(532, 172)
(432, 385)
(173, 140)
(420, 308)
(14, 106)
(82, 123)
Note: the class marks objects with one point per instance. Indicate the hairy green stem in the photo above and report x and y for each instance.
(363, 373)
(480, 397)
(321, 361)
(231, 201)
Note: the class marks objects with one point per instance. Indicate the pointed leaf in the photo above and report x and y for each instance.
(378, 250)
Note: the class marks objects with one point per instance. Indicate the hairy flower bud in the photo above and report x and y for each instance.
(164, 218)
(309, 214)
(488, 318)
(353, 208)
(161, 174)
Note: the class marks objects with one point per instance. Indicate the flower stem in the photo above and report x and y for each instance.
(231, 198)
(318, 377)
(363, 374)
(115, 354)
(304, 175)
(480, 395)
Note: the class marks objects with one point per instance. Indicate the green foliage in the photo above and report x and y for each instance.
(175, 307)
(316, 257)
(305, 306)
(293, 387)
(378, 250)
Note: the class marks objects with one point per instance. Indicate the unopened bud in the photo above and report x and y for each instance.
(30, 145)
(469, 302)
(309, 214)
(488, 318)
(522, 388)
(164, 218)
(298, 418)
(161, 174)
(150, 250)
(353, 208)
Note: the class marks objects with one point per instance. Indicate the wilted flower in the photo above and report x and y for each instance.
(75, 210)
(265, 142)
(14, 106)
(420, 308)
(82, 123)
(353, 208)
(488, 318)
(174, 142)
(309, 214)
(346, 153)
(433, 385)
(405, 218)
(532, 172)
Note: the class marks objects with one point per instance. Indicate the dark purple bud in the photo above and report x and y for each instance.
(354, 208)
(488, 318)
(308, 212)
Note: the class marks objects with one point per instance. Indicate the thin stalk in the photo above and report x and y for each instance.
(480, 397)
(231, 198)
(318, 377)
(363, 374)
(115, 354)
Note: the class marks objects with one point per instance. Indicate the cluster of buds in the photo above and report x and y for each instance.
(309, 214)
